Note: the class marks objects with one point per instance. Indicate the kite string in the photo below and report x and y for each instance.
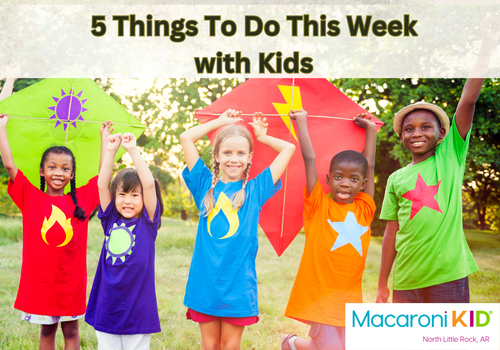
(69, 111)
(286, 170)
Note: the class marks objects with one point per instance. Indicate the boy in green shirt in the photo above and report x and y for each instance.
(423, 201)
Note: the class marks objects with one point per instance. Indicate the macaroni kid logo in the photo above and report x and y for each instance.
(422, 326)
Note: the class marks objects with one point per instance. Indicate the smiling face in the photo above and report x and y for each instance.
(346, 179)
(233, 157)
(57, 171)
(129, 204)
(420, 134)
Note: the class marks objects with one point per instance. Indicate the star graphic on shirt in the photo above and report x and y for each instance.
(422, 196)
(349, 232)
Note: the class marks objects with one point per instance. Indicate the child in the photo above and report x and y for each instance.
(423, 201)
(337, 229)
(122, 304)
(221, 291)
(54, 272)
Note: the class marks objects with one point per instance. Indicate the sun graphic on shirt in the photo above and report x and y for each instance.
(68, 108)
(120, 242)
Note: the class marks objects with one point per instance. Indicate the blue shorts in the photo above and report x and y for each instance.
(449, 292)
(326, 337)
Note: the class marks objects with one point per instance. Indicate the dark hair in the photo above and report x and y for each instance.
(350, 157)
(421, 109)
(79, 213)
(129, 181)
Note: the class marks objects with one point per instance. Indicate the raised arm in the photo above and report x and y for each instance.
(7, 88)
(388, 256)
(285, 149)
(306, 147)
(191, 136)
(7, 159)
(106, 171)
(364, 121)
(129, 143)
(473, 85)
(106, 130)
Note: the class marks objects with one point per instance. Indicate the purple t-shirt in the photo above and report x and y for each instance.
(123, 297)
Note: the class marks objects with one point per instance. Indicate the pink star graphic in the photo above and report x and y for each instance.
(422, 196)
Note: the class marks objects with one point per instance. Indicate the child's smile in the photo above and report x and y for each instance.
(345, 181)
(234, 156)
(420, 134)
(57, 171)
(129, 204)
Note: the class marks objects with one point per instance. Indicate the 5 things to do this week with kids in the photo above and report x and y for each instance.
(149, 150)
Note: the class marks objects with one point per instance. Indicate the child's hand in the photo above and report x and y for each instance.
(106, 129)
(114, 142)
(259, 125)
(231, 116)
(4, 119)
(129, 141)
(298, 114)
(490, 28)
(363, 121)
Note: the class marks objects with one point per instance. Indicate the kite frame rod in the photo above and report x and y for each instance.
(281, 115)
(77, 121)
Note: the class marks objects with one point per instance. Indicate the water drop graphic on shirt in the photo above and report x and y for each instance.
(223, 206)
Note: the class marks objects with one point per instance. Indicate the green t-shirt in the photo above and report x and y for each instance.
(426, 200)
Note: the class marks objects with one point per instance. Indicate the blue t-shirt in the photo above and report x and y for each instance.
(222, 279)
(123, 296)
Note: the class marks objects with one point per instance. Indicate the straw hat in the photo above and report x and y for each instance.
(438, 111)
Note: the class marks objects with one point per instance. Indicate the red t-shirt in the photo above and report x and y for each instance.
(54, 269)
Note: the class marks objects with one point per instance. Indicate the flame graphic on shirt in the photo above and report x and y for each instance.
(59, 217)
(224, 204)
(284, 108)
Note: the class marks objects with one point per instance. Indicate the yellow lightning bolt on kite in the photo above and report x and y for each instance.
(58, 216)
(284, 108)
(224, 204)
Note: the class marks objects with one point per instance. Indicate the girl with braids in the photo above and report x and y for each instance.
(53, 281)
(122, 304)
(221, 291)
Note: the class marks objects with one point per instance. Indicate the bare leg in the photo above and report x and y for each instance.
(210, 335)
(230, 338)
(48, 336)
(71, 335)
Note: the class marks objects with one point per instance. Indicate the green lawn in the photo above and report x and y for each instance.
(173, 255)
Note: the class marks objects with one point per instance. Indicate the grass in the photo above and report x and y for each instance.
(173, 255)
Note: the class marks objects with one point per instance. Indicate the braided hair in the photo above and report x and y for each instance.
(223, 134)
(79, 213)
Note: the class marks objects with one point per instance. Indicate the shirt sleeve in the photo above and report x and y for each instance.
(390, 204)
(311, 202)
(156, 218)
(20, 189)
(110, 213)
(454, 144)
(199, 181)
(267, 188)
(367, 204)
(88, 196)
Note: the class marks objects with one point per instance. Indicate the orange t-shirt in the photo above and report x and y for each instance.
(331, 269)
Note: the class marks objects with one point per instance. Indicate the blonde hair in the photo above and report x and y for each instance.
(223, 134)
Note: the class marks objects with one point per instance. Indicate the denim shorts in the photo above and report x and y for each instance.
(326, 337)
(449, 292)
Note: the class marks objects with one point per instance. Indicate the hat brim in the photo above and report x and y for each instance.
(438, 111)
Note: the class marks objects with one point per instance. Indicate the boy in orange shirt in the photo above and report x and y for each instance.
(337, 229)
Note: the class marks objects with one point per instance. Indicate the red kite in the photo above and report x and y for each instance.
(331, 128)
